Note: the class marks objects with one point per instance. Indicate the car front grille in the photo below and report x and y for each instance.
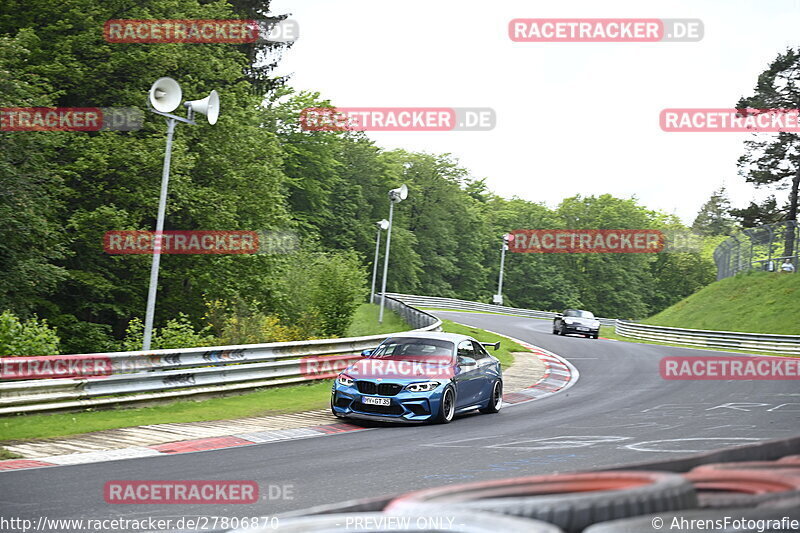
(378, 409)
(384, 389)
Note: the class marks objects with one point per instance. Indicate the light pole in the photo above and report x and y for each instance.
(165, 95)
(395, 196)
(382, 225)
(507, 238)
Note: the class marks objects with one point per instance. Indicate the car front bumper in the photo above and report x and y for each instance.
(582, 330)
(404, 407)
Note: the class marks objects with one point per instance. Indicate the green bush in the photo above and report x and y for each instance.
(32, 337)
(178, 333)
(337, 290)
(320, 292)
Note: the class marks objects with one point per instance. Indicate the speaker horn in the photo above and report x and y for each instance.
(399, 194)
(165, 95)
(208, 106)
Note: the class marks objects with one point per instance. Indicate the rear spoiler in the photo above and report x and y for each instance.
(495, 344)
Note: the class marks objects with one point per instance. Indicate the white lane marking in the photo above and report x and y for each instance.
(670, 406)
(652, 445)
(559, 443)
(452, 443)
(783, 404)
(738, 406)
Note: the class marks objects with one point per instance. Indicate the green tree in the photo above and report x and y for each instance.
(774, 159)
(223, 177)
(714, 217)
(31, 190)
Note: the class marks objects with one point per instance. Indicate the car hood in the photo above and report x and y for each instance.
(391, 368)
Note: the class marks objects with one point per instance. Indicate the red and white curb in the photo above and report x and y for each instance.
(559, 375)
(185, 446)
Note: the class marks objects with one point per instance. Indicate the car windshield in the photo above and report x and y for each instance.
(415, 349)
(578, 313)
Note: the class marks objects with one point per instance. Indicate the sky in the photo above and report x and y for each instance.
(572, 118)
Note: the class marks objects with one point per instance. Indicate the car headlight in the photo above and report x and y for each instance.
(568, 321)
(596, 324)
(425, 386)
(344, 379)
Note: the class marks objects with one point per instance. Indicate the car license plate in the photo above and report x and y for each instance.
(370, 400)
(583, 329)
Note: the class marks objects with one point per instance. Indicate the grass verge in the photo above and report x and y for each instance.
(365, 322)
(753, 302)
(279, 400)
(506, 346)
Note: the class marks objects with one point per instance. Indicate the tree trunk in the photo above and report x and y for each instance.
(791, 226)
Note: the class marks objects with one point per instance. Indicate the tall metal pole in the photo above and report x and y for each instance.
(162, 207)
(375, 266)
(502, 264)
(386, 262)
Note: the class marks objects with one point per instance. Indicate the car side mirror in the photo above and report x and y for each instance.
(463, 360)
(366, 353)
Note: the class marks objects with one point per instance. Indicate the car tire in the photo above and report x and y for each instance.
(570, 501)
(447, 407)
(496, 399)
(723, 488)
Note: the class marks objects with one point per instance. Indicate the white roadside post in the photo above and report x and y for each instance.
(165, 96)
(498, 298)
(382, 226)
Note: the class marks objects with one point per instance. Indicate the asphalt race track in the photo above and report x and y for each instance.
(619, 412)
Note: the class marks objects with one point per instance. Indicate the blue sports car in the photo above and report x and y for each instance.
(420, 377)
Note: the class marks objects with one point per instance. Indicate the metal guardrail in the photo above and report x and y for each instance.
(783, 344)
(160, 374)
(465, 305)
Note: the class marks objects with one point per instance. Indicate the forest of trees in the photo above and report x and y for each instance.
(256, 169)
